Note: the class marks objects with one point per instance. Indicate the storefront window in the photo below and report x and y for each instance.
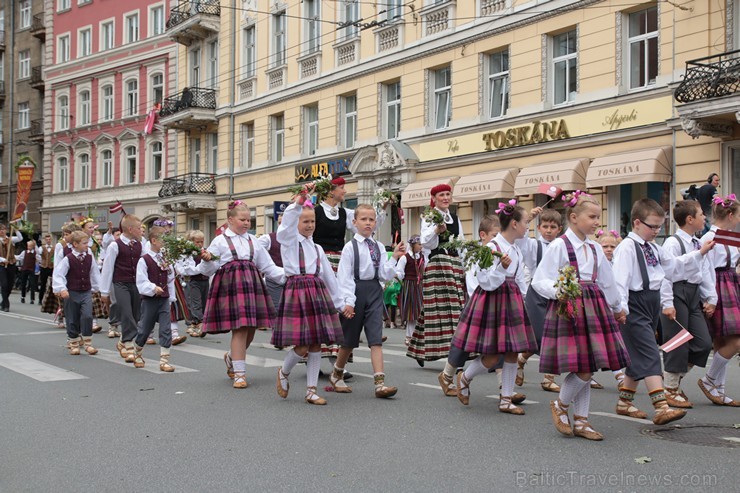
(622, 197)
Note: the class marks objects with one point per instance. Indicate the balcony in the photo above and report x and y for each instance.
(194, 20)
(190, 192)
(192, 108)
(710, 95)
(38, 29)
(37, 78)
(37, 131)
(2, 39)
(438, 17)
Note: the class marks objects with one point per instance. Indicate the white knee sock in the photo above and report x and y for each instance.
(570, 388)
(291, 359)
(508, 377)
(312, 369)
(719, 364)
(582, 401)
(410, 326)
(240, 366)
(474, 369)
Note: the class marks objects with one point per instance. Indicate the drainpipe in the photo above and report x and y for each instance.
(232, 122)
(11, 105)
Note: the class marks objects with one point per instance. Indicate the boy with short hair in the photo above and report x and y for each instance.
(155, 281)
(196, 284)
(119, 282)
(75, 278)
(686, 300)
(46, 264)
(28, 259)
(640, 266)
(363, 264)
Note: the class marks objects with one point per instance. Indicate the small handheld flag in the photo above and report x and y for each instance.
(221, 229)
(678, 340)
(117, 207)
(551, 191)
(727, 237)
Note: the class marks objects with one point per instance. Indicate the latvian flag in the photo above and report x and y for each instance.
(117, 207)
(679, 340)
(727, 237)
(221, 229)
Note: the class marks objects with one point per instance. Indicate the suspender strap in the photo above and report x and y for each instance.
(574, 261)
(680, 244)
(234, 255)
(498, 248)
(539, 253)
(643, 265)
(729, 257)
(357, 259)
(302, 260)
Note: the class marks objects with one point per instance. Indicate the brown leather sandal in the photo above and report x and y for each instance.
(282, 392)
(548, 383)
(447, 385)
(313, 398)
(559, 411)
(506, 406)
(626, 408)
(583, 429)
(520, 362)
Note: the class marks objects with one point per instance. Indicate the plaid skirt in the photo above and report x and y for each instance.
(331, 350)
(411, 300)
(306, 314)
(179, 309)
(495, 322)
(591, 342)
(237, 299)
(443, 291)
(50, 303)
(726, 319)
(99, 310)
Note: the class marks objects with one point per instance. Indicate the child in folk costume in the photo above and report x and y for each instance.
(725, 322)
(410, 269)
(99, 309)
(114, 321)
(28, 259)
(686, 300)
(640, 266)
(443, 289)
(271, 243)
(75, 277)
(155, 281)
(46, 264)
(390, 299)
(50, 303)
(196, 286)
(8, 268)
(590, 340)
(179, 307)
(362, 268)
(494, 322)
(119, 282)
(238, 301)
(307, 316)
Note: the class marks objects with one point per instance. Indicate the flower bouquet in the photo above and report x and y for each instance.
(176, 248)
(26, 227)
(432, 215)
(568, 292)
(473, 253)
(321, 187)
(383, 197)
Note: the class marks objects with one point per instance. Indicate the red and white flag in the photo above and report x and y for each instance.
(678, 340)
(727, 237)
(549, 190)
(117, 207)
(221, 229)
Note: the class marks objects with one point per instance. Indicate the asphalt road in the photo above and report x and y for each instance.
(95, 424)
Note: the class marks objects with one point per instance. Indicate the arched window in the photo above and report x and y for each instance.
(84, 111)
(106, 168)
(84, 169)
(107, 97)
(131, 165)
(62, 174)
(132, 97)
(63, 113)
(155, 156)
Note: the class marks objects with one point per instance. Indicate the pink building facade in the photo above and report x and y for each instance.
(108, 64)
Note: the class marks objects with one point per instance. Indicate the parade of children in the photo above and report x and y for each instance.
(546, 293)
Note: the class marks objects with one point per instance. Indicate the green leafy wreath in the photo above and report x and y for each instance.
(23, 160)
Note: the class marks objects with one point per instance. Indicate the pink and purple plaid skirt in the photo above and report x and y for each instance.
(590, 343)
(237, 299)
(411, 300)
(306, 314)
(726, 319)
(495, 322)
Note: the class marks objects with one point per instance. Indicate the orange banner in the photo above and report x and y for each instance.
(25, 179)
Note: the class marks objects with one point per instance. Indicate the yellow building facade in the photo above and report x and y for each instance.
(494, 96)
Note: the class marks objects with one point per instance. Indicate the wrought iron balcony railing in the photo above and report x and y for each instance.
(2, 38)
(710, 77)
(37, 128)
(195, 183)
(37, 27)
(193, 97)
(187, 9)
(2, 88)
(37, 75)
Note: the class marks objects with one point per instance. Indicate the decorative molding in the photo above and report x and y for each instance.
(619, 16)
(482, 85)
(731, 35)
(699, 128)
(545, 72)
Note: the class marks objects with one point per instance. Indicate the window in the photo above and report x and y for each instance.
(349, 121)
(63, 48)
(498, 84)
(107, 168)
(63, 109)
(643, 47)
(156, 20)
(84, 178)
(157, 86)
(311, 135)
(278, 138)
(107, 96)
(156, 161)
(278, 39)
(25, 14)
(564, 66)
(212, 140)
(247, 130)
(392, 110)
(195, 68)
(24, 116)
(131, 165)
(350, 13)
(442, 94)
(64, 5)
(132, 28)
(195, 154)
(63, 174)
(107, 33)
(2, 65)
(249, 56)
(313, 33)
(132, 97)
(393, 9)
(84, 42)
(213, 64)
(84, 109)
(24, 64)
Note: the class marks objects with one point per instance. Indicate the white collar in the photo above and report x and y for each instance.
(575, 240)
(126, 240)
(685, 236)
(636, 237)
(231, 233)
(360, 238)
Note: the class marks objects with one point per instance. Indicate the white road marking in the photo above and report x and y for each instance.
(37, 370)
(363, 375)
(219, 354)
(731, 439)
(426, 386)
(35, 333)
(28, 317)
(151, 362)
(619, 416)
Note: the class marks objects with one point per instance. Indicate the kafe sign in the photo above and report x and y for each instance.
(334, 167)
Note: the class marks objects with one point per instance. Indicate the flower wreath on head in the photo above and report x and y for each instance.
(571, 199)
(163, 222)
(725, 202)
(506, 207)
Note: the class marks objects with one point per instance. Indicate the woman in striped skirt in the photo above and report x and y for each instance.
(443, 284)
(410, 269)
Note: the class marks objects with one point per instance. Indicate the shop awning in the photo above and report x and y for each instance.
(417, 194)
(480, 186)
(568, 175)
(631, 167)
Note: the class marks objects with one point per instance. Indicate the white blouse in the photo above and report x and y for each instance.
(259, 256)
(492, 278)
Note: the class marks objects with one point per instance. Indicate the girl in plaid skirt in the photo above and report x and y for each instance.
(410, 269)
(590, 340)
(494, 322)
(238, 301)
(307, 316)
(725, 322)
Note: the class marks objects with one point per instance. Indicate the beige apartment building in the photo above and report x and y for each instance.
(493, 96)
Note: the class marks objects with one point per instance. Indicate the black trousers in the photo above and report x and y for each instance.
(7, 281)
(28, 283)
(44, 276)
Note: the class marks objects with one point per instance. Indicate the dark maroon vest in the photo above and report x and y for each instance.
(198, 277)
(274, 250)
(78, 277)
(411, 272)
(156, 275)
(29, 261)
(124, 270)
